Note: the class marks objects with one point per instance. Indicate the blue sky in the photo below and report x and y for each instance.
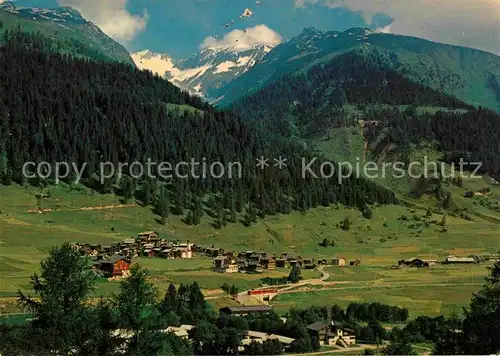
(179, 27)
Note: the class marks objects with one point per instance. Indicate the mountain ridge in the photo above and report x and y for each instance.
(61, 24)
(460, 71)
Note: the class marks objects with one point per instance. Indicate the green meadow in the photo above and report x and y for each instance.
(430, 300)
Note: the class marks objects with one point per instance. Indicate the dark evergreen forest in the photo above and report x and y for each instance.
(57, 108)
(473, 136)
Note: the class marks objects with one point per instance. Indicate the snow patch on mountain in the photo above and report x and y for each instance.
(205, 72)
(224, 67)
(156, 63)
(191, 73)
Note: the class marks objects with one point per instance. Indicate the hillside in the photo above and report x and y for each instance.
(65, 26)
(357, 109)
(309, 103)
(468, 74)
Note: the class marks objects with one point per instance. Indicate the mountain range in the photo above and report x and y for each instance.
(469, 74)
(224, 75)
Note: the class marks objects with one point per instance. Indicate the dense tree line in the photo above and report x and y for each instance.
(425, 328)
(377, 311)
(473, 136)
(57, 108)
(310, 103)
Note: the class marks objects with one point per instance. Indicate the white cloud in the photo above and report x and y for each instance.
(304, 3)
(241, 41)
(460, 22)
(111, 16)
(385, 29)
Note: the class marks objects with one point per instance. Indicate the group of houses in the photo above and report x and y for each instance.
(419, 262)
(252, 261)
(183, 332)
(113, 260)
(329, 334)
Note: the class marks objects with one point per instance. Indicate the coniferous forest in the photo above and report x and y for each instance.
(57, 108)
(473, 136)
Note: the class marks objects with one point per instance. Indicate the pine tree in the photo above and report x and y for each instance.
(127, 187)
(295, 274)
(61, 313)
(136, 308)
(170, 302)
(162, 204)
(232, 210)
(346, 224)
(481, 326)
(148, 189)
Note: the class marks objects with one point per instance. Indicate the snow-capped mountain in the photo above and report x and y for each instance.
(203, 73)
(64, 23)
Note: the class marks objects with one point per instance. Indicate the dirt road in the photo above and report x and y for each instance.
(85, 208)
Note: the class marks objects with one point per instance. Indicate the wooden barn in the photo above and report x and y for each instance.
(115, 266)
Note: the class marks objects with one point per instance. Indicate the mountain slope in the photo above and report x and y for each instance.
(203, 73)
(63, 24)
(310, 103)
(469, 74)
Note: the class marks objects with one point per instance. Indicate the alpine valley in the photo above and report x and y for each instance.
(302, 197)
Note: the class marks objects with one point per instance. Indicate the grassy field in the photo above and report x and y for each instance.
(429, 300)
(424, 291)
(79, 215)
(443, 274)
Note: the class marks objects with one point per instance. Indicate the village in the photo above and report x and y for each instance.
(114, 260)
